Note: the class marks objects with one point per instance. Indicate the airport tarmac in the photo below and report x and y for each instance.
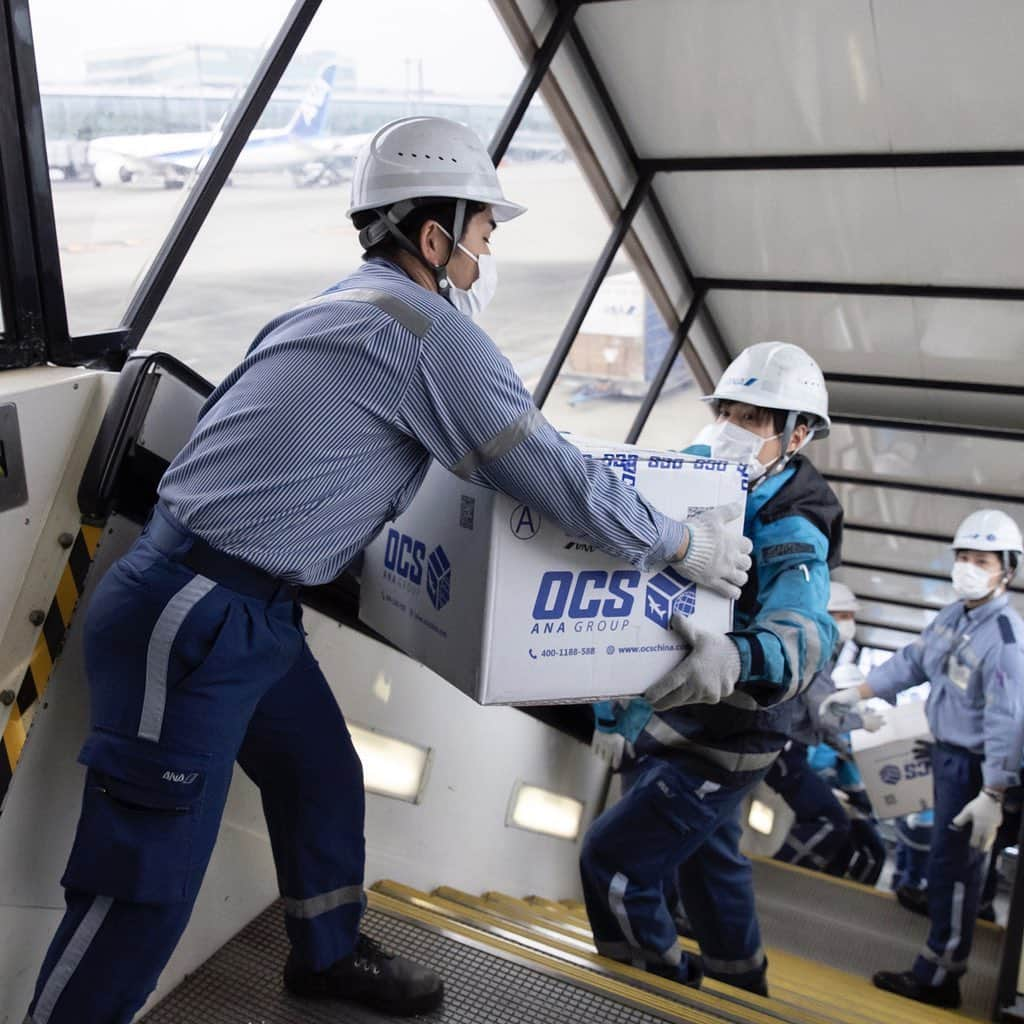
(267, 245)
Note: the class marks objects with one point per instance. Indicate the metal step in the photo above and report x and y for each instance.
(487, 980)
(802, 989)
(860, 930)
(717, 999)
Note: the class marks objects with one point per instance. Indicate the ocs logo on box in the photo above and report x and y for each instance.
(503, 604)
(403, 560)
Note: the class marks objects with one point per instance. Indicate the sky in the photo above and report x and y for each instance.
(462, 44)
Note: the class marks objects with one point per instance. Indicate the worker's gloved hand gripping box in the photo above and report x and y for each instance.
(897, 779)
(499, 601)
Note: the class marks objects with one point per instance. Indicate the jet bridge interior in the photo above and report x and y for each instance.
(847, 175)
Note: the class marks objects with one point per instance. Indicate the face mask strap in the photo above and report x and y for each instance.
(441, 273)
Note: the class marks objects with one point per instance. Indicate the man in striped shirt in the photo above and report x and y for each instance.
(194, 647)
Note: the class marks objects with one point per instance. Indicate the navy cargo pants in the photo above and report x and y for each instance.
(673, 835)
(954, 868)
(821, 831)
(194, 661)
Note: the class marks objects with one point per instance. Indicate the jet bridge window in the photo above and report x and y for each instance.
(279, 234)
(132, 98)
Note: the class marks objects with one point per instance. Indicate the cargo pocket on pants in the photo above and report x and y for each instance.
(141, 812)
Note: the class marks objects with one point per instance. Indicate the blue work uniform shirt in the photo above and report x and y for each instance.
(974, 660)
(325, 430)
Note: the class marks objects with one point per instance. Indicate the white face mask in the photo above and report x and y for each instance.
(474, 300)
(971, 582)
(729, 441)
(847, 630)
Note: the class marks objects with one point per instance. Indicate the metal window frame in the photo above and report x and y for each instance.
(898, 602)
(565, 24)
(919, 574)
(929, 427)
(915, 383)
(886, 531)
(912, 291)
(918, 488)
(590, 289)
(839, 161)
(538, 68)
(193, 213)
(709, 324)
(35, 324)
(872, 624)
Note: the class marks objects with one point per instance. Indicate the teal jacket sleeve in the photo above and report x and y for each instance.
(627, 717)
(792, 636)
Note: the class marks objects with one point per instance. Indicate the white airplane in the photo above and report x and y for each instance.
(299, 147)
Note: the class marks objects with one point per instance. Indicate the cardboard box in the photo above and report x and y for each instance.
(623, 340)
(896, 782)
(504, 605)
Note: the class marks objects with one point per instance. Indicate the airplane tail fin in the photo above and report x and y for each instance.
(311, 116)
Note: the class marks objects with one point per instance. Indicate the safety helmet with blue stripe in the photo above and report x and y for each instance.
(990, 529)
(777, 375)
(780, 376)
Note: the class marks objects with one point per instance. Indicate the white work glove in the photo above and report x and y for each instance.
(984, 814)
(870, 719)
(708, 674)
(839, 702)
(609, 747)
(717, 556)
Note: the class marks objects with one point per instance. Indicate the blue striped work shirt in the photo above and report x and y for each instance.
(324, 432)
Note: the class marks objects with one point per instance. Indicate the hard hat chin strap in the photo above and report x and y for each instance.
(1009, 568)
(780, 462)
(387, 224)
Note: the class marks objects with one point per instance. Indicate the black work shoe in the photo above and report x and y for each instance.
(914, 900)
(905, 984)
(689, 971)
(371, 977)
(986, 912)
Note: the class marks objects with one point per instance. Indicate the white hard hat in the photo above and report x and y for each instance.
(847, 675)
(841, 599)
(777, 375)
(427, 157)
(988, 530)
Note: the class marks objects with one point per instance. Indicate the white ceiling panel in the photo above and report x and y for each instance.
(884, 639)
(910, 510)
(811, 225)
(888, 586)
(963, 225)
(953, 73)
(743, 77)
(895, 616)
(885, 586)
(938, 339)
(899, 552)
(946, 460)
(952, 226)
(969, 409)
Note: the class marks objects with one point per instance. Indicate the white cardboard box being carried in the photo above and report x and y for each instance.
(504, 605)
(896, 782)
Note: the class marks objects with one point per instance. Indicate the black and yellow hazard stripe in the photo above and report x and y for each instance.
(48, 647)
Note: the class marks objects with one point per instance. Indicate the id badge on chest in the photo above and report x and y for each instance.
(958, 672)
